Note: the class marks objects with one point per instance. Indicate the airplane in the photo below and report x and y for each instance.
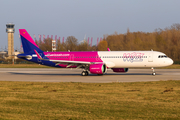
(94, 62)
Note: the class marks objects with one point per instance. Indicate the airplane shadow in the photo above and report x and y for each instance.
(74, 74)
(45, 74)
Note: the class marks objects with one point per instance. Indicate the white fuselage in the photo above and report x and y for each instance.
(128, 59)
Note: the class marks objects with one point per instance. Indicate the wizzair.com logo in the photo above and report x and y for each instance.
(133, 57)
(57, 54)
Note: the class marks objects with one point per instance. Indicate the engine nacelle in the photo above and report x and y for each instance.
(120, 69)
(97, 68)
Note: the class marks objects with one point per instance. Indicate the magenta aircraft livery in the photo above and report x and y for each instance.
(95, 62)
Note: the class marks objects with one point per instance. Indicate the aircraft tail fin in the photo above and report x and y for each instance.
(27, 42)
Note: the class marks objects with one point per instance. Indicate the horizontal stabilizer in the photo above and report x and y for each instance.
(24, 56)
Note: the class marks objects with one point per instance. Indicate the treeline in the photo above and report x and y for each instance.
(165, 40)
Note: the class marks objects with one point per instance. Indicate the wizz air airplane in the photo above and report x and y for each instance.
(94, 62)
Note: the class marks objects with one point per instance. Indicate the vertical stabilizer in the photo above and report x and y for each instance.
(28, 43)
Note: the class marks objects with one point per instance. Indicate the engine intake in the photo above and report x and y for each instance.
(97, 68)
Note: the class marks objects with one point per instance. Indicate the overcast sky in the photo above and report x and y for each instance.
(94, 18)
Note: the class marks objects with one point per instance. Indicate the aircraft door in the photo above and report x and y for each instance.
(150, 57)
(98, 58)
(72, 57)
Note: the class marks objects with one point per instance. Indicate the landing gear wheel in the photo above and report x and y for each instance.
(153, 71)
(84, 73)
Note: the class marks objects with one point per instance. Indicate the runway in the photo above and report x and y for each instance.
(74, 75)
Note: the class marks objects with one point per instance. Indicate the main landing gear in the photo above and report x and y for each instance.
(153, 73)
(85, 73)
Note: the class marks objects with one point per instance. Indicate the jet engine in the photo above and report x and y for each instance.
(98, 68)
(120, 69)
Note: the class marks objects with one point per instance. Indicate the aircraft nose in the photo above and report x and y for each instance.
(170, 61)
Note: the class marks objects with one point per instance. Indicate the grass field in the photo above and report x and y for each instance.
(74, 101)
(175, 66)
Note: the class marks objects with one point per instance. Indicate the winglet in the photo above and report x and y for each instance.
(39, 57)
(108, 49)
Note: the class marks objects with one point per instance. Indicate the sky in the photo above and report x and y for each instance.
(93, 18)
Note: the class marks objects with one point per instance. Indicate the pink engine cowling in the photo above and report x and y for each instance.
(119, 69)
(97, 68)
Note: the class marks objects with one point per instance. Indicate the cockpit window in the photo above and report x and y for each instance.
(162, 56)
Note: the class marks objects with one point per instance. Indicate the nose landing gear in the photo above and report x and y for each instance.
(153, 73)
